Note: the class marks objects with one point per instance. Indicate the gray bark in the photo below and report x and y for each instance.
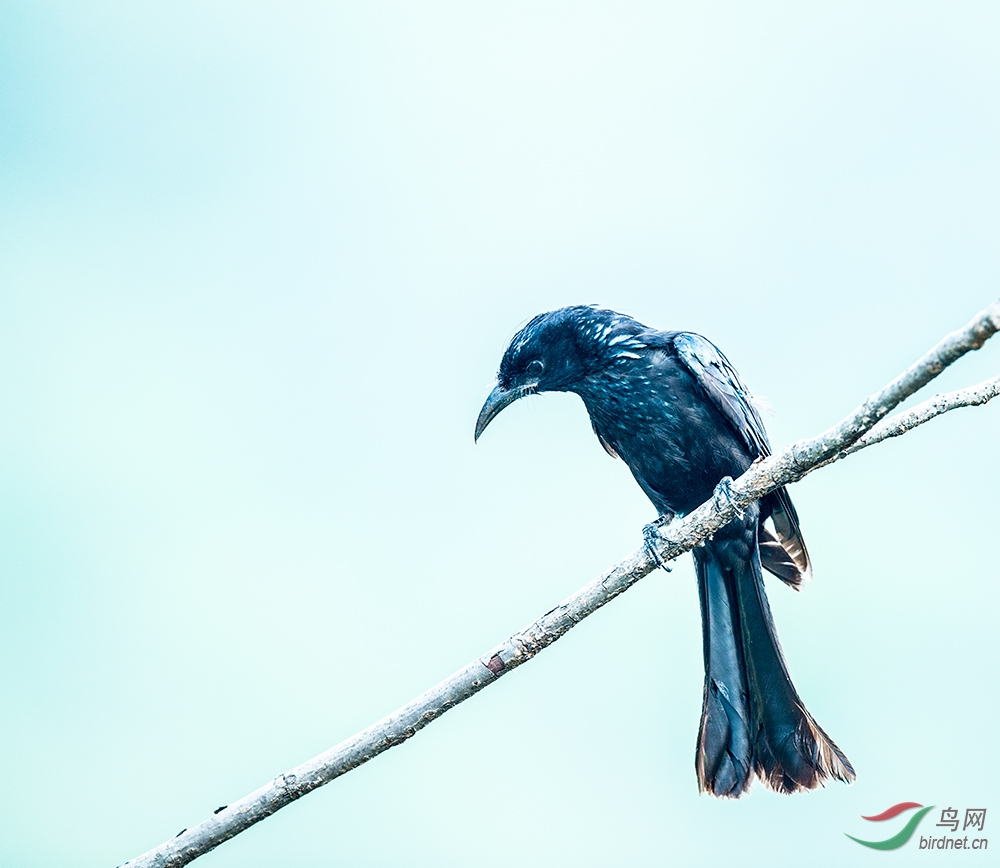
(862, 428)
(895, 426)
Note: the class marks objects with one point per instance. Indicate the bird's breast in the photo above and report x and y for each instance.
(675, 442)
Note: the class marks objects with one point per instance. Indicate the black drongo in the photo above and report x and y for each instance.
(671, 406)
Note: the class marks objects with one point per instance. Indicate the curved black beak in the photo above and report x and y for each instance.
(497, 400)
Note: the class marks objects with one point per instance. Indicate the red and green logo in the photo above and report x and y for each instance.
(904, 834)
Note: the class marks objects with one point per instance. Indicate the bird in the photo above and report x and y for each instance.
(672, 407)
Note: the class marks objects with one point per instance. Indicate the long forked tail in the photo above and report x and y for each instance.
(753, 721)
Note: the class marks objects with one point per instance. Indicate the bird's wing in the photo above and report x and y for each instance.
(789, 560)
(725, 389)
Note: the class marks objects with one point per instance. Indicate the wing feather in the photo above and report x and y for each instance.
(734, 400)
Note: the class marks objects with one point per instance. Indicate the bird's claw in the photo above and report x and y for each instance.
(651, 535)
(723, 495)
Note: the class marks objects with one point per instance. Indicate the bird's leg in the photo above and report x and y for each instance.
(723, 495)
(651, 534)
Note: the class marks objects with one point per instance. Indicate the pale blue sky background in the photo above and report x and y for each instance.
(258, 263)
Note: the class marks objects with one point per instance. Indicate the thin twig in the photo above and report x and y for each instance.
(788, 465)
(895, 426)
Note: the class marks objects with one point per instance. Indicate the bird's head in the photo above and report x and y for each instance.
(554, 353)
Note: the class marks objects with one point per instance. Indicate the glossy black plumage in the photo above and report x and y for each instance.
(673, 408)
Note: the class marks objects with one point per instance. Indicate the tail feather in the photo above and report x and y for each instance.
(791, 750)
(752, 717)
(784, 553)
(775, 559)
(725, 751)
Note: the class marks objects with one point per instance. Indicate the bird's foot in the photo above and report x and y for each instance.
(651, 535)
(723, 495)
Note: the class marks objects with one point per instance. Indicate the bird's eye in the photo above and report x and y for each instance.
(535, 367)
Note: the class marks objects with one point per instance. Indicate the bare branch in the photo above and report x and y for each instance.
(858, 430)
(895, 426)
